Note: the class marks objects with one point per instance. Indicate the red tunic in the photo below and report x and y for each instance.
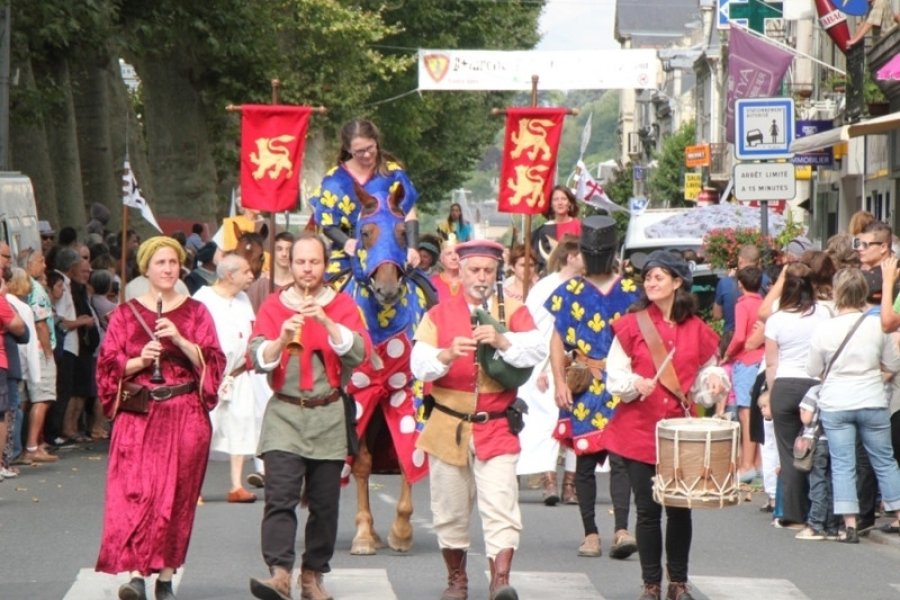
(572, 227)
(457, 388)
(632, 431)
(157, 461)
(444, 291)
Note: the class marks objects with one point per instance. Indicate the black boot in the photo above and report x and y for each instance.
(133, 590)
(164, 590)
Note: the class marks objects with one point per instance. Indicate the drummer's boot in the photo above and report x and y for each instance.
(277, 587)
(457, 579)
(500, 565)
(568, 488)
(678, 591)
(164, 590)
(550, 488)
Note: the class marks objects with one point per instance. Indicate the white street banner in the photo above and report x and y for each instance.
(499, 70)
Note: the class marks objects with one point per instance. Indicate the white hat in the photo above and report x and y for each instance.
(44, 228)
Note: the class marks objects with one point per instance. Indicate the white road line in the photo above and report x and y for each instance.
(541, 585)
(896, 586)
(358, 584)
(746, 588)
(91, 585)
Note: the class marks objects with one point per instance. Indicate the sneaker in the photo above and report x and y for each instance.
(808, 533)
(766, 508)
(590, 546)
(748, 476)
(624, 545)
(256, 480)
(62, 442)
(782, 524)
(23, 460)
(850, 536)
(833, 535)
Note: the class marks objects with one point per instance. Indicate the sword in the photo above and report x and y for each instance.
(662, 367)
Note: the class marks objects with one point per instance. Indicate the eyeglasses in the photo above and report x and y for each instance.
(46, 237)
(859, 244)
(364, 151)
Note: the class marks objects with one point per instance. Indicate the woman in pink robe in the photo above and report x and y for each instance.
(157, 460)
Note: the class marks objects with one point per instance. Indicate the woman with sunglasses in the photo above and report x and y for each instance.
(361, 162)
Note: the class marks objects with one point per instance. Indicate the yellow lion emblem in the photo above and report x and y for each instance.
(272, 158)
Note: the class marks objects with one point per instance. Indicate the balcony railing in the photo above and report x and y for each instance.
(719, 162)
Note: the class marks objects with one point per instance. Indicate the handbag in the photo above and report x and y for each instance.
(806, 440)
(132, 397)
(578, 377)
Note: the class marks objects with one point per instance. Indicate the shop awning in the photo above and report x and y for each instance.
(826, 139)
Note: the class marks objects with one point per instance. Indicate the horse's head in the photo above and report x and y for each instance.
(381, 247)
(251, 246)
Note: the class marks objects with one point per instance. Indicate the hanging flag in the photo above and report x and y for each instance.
(529, 159)
(592, 193)
(755, 70)
(131, 196)
(273, 138)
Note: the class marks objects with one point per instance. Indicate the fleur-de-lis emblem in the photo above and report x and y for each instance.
(615, 317)
(555, 303)
(385, 315)
(345, 223)
(575, 286)
(362, 254)
(347, 205)
(628, 285)
(393, 166)
(580, 411)
(421, 296)
(328, 199)
(404, 301)
(577, 311)
(613, 402)
(327, 220)
(331, 171)
(363, 292)
(597, 387)
(584, 347)
(596, 323)
(333, 267)
(570, 335)
(599, 421)
(417, 388)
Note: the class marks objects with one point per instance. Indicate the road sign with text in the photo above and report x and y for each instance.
(764, 181)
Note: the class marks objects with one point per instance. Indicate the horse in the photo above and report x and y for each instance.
(251, 246)
(392, 301)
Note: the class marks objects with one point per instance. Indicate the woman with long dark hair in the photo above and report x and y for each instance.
(667, 306)
(788, 333)
(456, 224)
(361, 162)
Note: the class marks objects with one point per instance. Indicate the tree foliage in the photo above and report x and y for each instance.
(666, 184)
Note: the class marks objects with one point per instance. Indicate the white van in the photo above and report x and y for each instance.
(18, 213)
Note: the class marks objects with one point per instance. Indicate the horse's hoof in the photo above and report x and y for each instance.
(363, 548)
(399, 544)
(379, 543)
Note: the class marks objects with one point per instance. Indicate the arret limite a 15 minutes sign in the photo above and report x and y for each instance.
(764, 181)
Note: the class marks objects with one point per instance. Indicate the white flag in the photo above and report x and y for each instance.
(585, 136)
(131, 196)
(592, 193)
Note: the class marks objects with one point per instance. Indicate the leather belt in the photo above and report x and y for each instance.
(476, 417)
(164, 392)
(591, 363)
(238, 370)
(309, 402)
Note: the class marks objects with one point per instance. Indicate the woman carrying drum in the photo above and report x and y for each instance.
(662, 354)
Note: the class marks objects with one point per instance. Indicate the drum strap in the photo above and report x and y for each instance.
(667, 376)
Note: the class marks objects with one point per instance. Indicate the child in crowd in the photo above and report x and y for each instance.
(822, 523)
(770, 462)
(745, 359)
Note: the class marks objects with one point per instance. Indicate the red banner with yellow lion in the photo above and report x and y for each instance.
(529, 159)
(273, 138)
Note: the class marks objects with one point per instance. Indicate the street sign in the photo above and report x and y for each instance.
(763, 128)
(764, 181)
(819, 157)
(693, 183)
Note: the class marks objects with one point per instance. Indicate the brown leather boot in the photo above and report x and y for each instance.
(568, 489)
(457, 579)
(500, 565)
(312, 586)
(277, 587)
(678, 591)
(550, 488)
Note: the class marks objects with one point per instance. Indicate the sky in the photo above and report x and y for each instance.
(578, 25)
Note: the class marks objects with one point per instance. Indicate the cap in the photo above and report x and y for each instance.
(483, 248)
(798, 246)
(207, 252)
(429, 247)
(672, 263)
(598, 233)
(44, 228)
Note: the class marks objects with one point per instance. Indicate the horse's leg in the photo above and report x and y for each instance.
(400, 538)
(365, 542)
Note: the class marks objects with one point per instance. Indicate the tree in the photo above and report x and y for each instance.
(666, 184)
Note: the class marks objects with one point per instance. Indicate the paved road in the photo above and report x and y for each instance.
(50, 523)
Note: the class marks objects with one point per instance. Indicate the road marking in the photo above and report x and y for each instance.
(358, 584)
(747, 588)
(540, 585)
(896, 586)
(91, 585)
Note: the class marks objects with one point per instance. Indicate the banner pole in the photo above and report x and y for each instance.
(526, 237)
(123, 254)
(276, 84)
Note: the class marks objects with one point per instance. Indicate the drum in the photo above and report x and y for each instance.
(696, 463)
